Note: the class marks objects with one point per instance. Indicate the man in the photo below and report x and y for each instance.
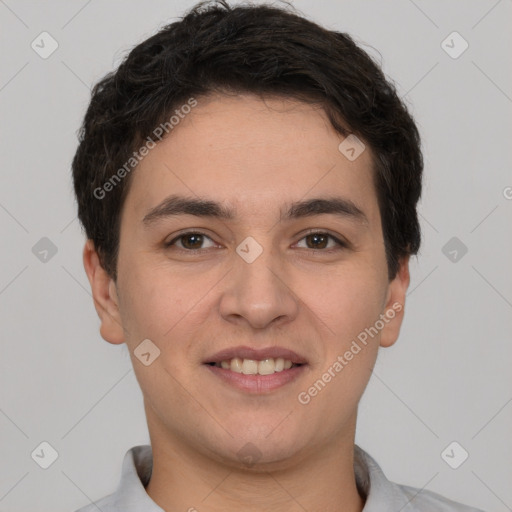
(248, 183)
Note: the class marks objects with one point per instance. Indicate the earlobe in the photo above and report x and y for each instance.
(104, 294)
(395, 304)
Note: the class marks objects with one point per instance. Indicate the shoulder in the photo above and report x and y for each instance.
(130, 495)
(422, 500)
(106, 504)
(385, 495)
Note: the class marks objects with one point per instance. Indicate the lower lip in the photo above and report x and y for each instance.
(258, 383)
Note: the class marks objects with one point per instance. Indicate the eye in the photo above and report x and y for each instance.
(194, 240)
(190, 241)
(320, 240)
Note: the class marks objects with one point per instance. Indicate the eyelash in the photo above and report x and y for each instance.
(341, 244)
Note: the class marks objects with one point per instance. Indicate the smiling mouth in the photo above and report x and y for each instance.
(266, 366)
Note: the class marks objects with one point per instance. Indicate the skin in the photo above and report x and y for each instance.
(256, 156)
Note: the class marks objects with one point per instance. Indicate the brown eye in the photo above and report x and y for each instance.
(319, 240)
(193, 241)
(189, 241)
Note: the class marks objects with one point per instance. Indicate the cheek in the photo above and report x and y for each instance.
(351, 301)
(171, 308)
(354, 300)
(160, 307)
(154, 302)
(349, 306)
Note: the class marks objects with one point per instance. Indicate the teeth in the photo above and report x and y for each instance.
(236, 365)
(253, 367)
(249, 367)
(266, 367)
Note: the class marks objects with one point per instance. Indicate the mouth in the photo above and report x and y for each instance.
(256, 371)
(267, 366)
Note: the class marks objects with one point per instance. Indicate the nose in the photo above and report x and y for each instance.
(259, 293)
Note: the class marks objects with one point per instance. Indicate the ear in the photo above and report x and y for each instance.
(104, 293)
(395, 304)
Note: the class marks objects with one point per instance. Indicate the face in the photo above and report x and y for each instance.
(296, 263)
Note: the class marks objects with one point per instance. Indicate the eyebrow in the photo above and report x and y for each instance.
(178, 205)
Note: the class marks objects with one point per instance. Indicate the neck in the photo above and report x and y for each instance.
(185, 479)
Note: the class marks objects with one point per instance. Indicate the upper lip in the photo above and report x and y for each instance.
(245, 352)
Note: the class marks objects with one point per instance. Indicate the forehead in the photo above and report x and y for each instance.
(252, 153)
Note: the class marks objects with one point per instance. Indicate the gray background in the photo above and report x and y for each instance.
(447, 378)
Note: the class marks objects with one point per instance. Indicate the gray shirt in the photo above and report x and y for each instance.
(381, 494)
